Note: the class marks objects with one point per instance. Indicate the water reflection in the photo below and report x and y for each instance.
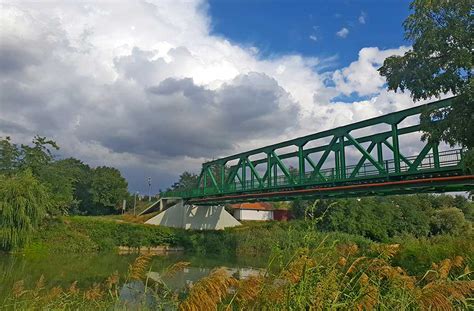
(89, 268)
(189, 275)
(135, 295)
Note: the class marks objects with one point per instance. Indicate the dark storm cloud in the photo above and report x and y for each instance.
(179, 118)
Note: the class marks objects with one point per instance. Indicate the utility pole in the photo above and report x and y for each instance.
(149, 189)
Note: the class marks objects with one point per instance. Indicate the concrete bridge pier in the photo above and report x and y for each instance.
(188, 216)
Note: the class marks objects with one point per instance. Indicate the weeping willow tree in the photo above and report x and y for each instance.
(23, 204)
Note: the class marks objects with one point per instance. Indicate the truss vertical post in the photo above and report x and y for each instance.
(342, 157)
(223, 177)
(252, 180)
(199, 180)
(204, 177)
(301, 159)
(337, 164)
(380, 153)
(244, 173)
(436, 154)
(269, 169)
(275, 172)
(396, 147)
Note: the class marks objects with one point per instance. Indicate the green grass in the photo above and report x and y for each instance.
(89, 234)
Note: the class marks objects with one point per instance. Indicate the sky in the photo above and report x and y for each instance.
(155, 88)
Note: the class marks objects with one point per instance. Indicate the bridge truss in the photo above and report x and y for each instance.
(315, 166)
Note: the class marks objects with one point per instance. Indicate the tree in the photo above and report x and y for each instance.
(59, 184)
(9, 156)
(108, 188)
(37, 156)
(440, 61)
(23, 204)
(187, 181)
(448, 220)
(80, 175)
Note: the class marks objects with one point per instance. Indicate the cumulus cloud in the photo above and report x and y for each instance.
(145, 87)
(361, 77)
(343, 32)
(313, 38)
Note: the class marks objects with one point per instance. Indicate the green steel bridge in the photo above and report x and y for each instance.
(316, 165)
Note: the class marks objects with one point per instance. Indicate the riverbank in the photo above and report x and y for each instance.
(80, 234)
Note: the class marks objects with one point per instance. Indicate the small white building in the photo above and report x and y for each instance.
(261, 211)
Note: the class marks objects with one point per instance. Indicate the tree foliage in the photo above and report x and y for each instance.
(187, 181)
(23, 204)
(9, 156)
(108, 187)
(440, 62)
(72, 186)
(380, 218)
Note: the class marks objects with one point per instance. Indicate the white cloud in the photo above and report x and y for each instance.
(343, 32)
(361, 77)
(144, 86)
(313, 38)
(362, 17)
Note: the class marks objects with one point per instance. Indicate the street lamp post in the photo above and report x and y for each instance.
(149, 189)
(135, 204)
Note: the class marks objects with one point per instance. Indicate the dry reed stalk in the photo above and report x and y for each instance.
(347, 250)
(136, 271)
(386, 251)
(342, 261)
(40, 284)
(355, 264)
(54, 293)
(440, 295)
(249, 289)
(208, 292)
(369, 298)
(112, 280)
(295, 270)
(73, 289)
(18, 289)
(94, 293)
(327, 291)
(174, 268)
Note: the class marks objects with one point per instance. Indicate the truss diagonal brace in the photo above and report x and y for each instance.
(318, 172)
(420, 157)
(362, 160)
(283, 168)
(366, 154)
(214, 182)
(401, 155)
(255, 173)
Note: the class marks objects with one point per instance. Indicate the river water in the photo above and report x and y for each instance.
(90, 268)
